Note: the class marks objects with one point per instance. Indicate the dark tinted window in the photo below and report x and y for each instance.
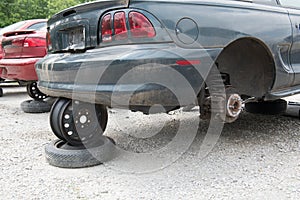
(38, 26)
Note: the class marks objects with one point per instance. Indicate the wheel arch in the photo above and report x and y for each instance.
(250, 65)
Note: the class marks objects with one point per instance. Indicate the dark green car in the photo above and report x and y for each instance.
(157, 56)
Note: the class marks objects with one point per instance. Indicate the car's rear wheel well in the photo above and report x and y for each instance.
(250, 66)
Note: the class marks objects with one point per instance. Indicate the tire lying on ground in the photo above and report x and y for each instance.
(37, 106)
(61, 154)
(267, 107)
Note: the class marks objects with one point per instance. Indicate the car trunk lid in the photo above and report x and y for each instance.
(24, 44)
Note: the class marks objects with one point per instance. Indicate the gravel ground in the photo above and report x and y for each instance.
(257, 157)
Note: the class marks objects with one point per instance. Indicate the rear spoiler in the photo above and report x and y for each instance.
(19, 32)
(98, 4)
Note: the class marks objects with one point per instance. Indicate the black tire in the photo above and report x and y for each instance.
(34, 92)
(54, 117)
(1, 92)
(267, 107)
(61, 154)
(35, 106)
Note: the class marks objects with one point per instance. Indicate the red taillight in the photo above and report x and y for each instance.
(34, 42)
(120, 26)
(140, 26)
(116, 26)
(106, 30)
(188, 62)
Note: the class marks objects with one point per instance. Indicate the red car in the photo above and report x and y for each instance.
(23, 44)
(23, 25)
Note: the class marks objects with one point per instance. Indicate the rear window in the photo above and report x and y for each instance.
(38, 26)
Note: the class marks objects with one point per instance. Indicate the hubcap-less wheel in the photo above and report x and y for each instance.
(78, 122)
(34, 92)
(55, 116)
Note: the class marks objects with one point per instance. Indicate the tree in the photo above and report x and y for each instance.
(55, 6)
(12, 11)
(6, 12)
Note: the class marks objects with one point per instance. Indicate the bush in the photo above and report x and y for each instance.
(12, 11)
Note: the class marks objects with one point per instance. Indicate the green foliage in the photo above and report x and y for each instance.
(12, 11)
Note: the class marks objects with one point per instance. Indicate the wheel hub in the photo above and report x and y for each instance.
(234, 105)
(83, 119)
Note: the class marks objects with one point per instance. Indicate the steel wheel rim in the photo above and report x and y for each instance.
(55, 116)
(80, 122)
(34, 92)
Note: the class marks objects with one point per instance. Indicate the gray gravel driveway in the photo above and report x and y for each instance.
(257, 157)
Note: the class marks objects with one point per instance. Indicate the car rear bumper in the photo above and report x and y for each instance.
(18, 69)
(139, 75)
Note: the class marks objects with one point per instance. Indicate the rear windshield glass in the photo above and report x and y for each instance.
(41, 26)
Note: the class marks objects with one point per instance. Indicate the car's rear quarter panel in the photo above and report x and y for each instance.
(223, 22)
